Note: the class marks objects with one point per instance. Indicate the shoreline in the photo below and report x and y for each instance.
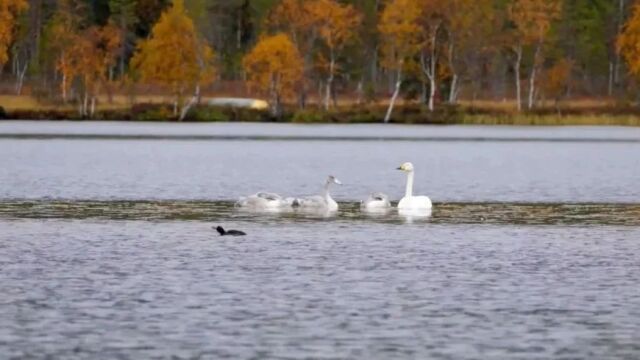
(361, 114)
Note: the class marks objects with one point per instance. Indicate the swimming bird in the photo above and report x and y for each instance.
(319, 202)
(230, 232)
(410, 202)
(376, 201)
(264, 201)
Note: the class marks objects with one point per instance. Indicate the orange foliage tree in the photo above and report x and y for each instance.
(63, 32)
(557, 79)
(9, 9)
(82, 54)
(91, 54)
(336, 25)
(400, 31)
(275, 67)
(432, 23)
(628, 42)
(532, 21)
(469, 26)
(299, 21)
(175, 56)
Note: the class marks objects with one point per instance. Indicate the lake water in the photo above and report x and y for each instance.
(225, 161)
(107, 251)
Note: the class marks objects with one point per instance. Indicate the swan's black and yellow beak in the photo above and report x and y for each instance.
(399, 168)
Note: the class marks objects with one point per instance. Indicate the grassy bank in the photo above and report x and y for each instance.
(154, 108)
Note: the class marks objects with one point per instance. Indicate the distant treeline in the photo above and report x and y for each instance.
(301, 51)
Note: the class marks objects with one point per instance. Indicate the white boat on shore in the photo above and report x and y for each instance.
(238, 102)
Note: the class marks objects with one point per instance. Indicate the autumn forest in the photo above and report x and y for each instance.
(321, 53)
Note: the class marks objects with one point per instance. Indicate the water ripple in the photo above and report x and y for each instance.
(444, 213)
(302, 288)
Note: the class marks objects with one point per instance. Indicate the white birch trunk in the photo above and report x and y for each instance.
(327, 96)
(532, 86)
(64, 87)
(20, 80)
(394, 97)
(516, 69)
(93, 107)
(453, 90)
(188, 105)
(532, 77)
(432, 92)
(430, 68)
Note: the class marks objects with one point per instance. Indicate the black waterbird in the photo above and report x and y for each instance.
(230, 232)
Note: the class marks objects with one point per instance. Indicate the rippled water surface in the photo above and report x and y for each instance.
(140, 289)
(585, 165)
(107, 248)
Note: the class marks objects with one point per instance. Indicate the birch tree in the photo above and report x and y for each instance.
(123, 15)
(296, 18)
(628, 42)
(469, 25)
(532, 20)
(9, 10)
(274, 66)
(175, 56)
(337, 25)
(400, 29)
(432, 23)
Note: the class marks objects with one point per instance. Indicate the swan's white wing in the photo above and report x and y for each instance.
(423, 202)
(415, 202)
(261, 200)
(316, 201)
(268, 196)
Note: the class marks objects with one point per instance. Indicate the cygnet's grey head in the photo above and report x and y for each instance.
(333, 179)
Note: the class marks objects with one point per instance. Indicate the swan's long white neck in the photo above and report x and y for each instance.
(325, 193)
(409, 192)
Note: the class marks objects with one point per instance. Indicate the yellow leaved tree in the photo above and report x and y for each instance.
(337, 25)
(557, 79)
(90, 55)
(296, 18)
(9, 10)
(400, 30)
(532, 20)
(432, 23)
(470, 30)
(83, 56)
(274, 66)
(628, 42)
(63, 31)
(175, 56)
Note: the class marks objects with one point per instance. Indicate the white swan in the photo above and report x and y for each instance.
(376, 201)
(410, 202)
(264, 201)
(322, 202)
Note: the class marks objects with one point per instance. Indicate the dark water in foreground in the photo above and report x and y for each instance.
(138, 280)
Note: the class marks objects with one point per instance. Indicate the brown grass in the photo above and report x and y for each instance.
(481, 112)
(118, 102)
